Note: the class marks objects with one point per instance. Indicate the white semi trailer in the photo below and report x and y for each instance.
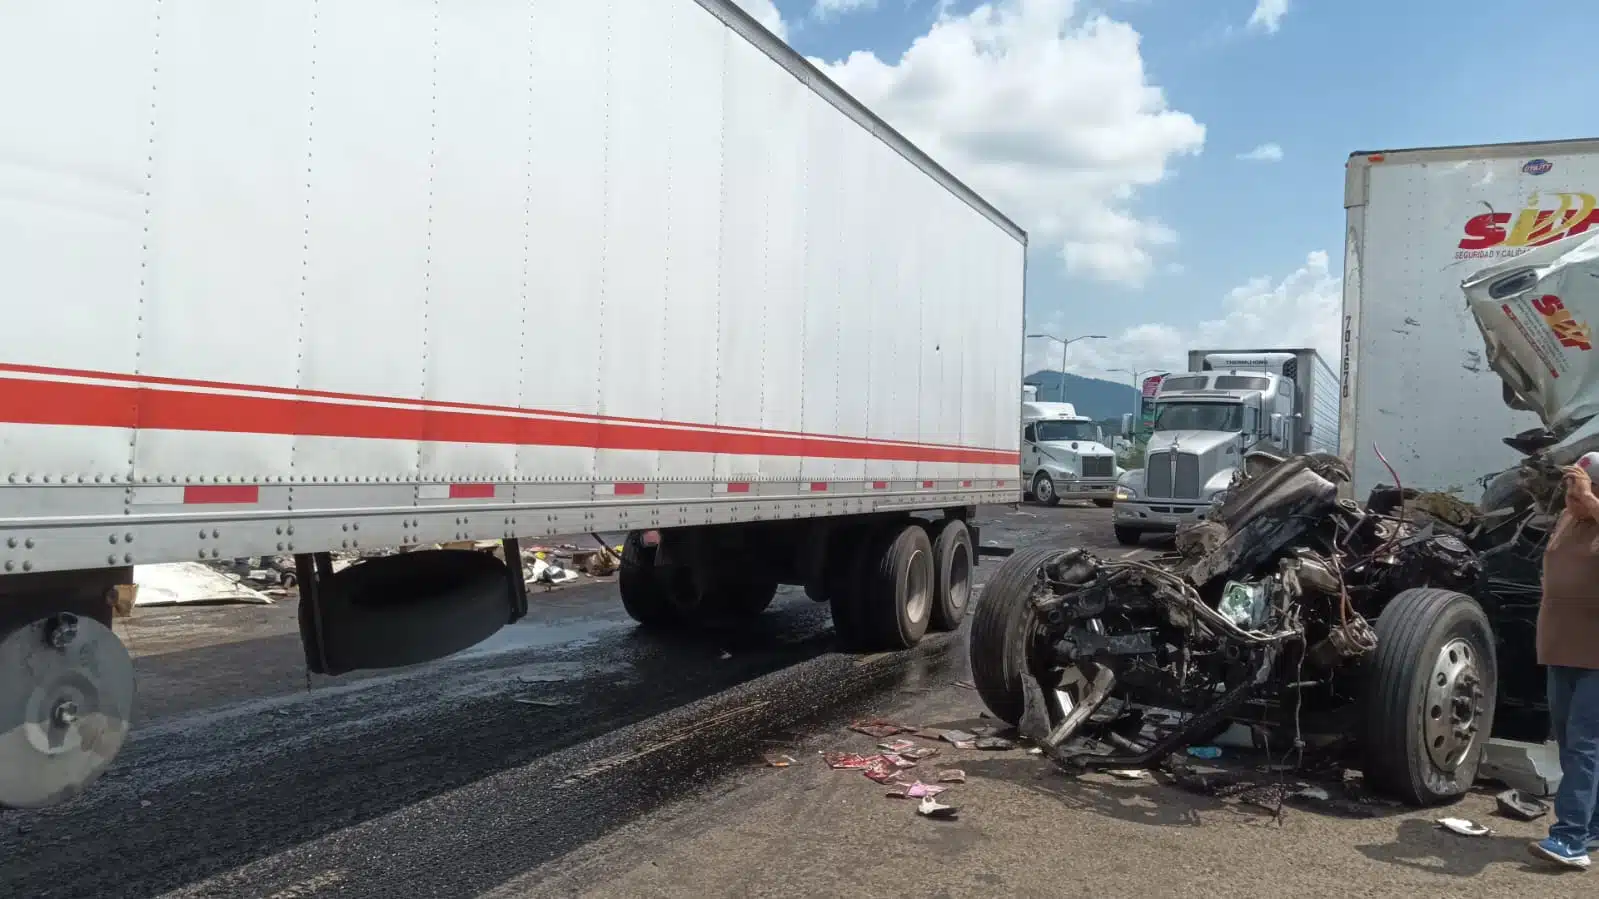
(299, 277)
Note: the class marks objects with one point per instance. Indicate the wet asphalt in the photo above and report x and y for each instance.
(451, 779)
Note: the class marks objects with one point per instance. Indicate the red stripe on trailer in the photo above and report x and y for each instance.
(966, 483)
(1000, 483)
(471, 491)
(215, 494)
(879, 485)
(927, 485)
(133, 403)
(739, 487)
(629, 489)
(818, 486)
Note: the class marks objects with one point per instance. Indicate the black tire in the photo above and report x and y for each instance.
(1414, 634)
(652, 596)
(953, 560)
(841, 583)
(1001, 627)
(1104, 503)
(1044, 489)
(1127, 536)
(897, 590)
(742, 600)
(407, 609)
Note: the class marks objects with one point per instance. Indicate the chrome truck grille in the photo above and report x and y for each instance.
(1098, 466)
(1164, 480)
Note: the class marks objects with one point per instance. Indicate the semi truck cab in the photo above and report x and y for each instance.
(1064, 455)
(1206, 420)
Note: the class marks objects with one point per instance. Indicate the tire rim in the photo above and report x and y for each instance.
(1044, 489)
(1453, 709)
(960, 576)
(918, 588)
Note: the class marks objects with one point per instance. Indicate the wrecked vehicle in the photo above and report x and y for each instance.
(1375, 633)
(1322, 623)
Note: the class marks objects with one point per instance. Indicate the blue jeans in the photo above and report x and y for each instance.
(1574, 712)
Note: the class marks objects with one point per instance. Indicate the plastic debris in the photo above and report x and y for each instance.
(952, 776)
(878, 728)
(994, 744)
(898, 761)
(965, 685)
(929, 733)
(778, 760)
(916, 790)
(900, 746)
(542, 572)
(1128, 773)
(1316, 793)
(917, 753)
(958, 736)
(1518, 805)
(932, 808)
(1205, 752)
(847, 760)
(1463, 827)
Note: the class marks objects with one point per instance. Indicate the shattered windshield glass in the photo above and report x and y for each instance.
(1199, 417)
(1052, 431)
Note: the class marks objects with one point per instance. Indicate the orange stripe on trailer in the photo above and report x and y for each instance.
(28, 401)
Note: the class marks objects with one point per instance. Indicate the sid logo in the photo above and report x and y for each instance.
(1571, 333)
(1534, 225)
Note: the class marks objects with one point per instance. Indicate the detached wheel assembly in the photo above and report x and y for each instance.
(1430, 696)
(66, 697)
(1005, 631)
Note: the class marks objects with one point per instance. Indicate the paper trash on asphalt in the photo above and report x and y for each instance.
(1463, 827)
(932, 808)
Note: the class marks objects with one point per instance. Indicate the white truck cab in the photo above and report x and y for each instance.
(1064, 455)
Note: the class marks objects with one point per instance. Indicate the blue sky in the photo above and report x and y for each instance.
(1147, 224)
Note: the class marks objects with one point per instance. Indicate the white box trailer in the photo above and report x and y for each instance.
(299, 277)
(1416, 381)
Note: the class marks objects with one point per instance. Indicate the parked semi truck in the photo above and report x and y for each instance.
(1064, 455)
(1229, 403)
(292, 278)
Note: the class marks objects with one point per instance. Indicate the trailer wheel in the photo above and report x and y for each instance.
(1003, 631)
(952, 562)
(653, 596)
(1128, 536)
(1430, 693)
(896, 585)
(1044, 489)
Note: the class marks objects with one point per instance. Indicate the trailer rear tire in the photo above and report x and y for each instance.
(653, 596)
(952, 561)
(1002, 628)
(895, 602)
(1433, 675)
(1128, 536)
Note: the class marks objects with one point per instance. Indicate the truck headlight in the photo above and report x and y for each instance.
(1125, 493)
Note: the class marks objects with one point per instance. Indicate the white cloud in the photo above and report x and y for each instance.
(1268, 15)
(1048, 112)
(1300, 310)
(831, 9)
(1264, 153)
(765, 12)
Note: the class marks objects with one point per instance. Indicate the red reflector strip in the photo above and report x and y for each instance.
(740, 487)
(879, 485)
(818, 486)
(927, 485)
(471, 491)
(999, 483)
(966, 483)
(221, 493)
(629, 489)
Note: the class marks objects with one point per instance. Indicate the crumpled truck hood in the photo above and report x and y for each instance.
(1536, 313)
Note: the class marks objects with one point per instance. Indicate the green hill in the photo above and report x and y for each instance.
(1093, 397)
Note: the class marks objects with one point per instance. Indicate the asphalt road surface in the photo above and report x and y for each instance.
(573, 755)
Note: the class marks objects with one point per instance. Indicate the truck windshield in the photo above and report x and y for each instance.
(1199, 417)
(1050, 431)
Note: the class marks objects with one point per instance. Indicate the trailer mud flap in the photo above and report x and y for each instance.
(407, 609)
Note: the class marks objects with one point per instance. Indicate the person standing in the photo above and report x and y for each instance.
(1568, 644)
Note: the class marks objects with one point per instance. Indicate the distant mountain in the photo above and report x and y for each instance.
(1093, 397)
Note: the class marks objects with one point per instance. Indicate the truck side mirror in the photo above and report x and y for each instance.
(1127, 424)
(1277, 427)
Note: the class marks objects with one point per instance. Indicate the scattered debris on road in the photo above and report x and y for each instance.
(932, 808)
(878, 728)
(1128, 773)
(778, 760)
(1208, 753)
(1463, 827)
(1518, 805)
(952, 776)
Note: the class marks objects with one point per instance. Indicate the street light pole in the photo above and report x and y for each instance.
(1138, 389)
(1064, 342)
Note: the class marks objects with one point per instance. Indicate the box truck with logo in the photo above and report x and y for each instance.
(528, 269)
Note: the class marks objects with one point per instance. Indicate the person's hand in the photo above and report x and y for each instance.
(1577, 480)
